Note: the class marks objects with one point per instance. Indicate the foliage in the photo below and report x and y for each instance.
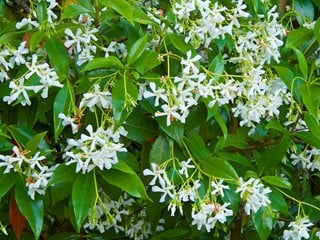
(187, 119)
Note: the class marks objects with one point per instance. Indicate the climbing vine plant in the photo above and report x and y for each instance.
(181, 119)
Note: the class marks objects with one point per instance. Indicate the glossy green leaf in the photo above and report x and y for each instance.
(263, 222)
(35, 39)
(312, 124)
(122, 7)
(7, 180)
(62, 104)
(173, 233)
(33, 210)
(123, 167)
(278, 202)
(131, 183)
(160, 151)
(217, 66)
(196, 146)
(277, 181)
(109, 62)
(63, 173)
(175, 130)
(316, 30)
(42, 11)
(147, 61)
(140, 127)
(179, 43)
(136, 50)
(218, 167)
(298, 37)
(58, 55)
(83, 197)
(303, 64)
(77, 8)
(311, 98)
(34, 142)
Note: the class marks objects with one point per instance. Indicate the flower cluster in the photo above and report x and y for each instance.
(299, 229)
(33, 168)
(97, 149)
(308, 159)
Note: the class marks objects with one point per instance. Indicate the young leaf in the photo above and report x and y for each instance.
(131, 183)
(136, 50)
(17, 220)
(311, 99)
(75, 9)
(33, 210)
(120, 6)
(298, 37)
(303, 64)
(83, 197)
(147, 61)
(217, 65)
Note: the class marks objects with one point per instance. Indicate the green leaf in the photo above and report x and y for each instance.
(311, 98)
(277, 181)
(179, 43)
(63, 173)
(131, 183)
(160, 151)
(196, 146)
(62, 104)
(263, 222)
(140, 128)
(34, 142)
(175, 130)
(120, 6)
(109, 62)
(217, 65)
(58, 55)
(75, 9)
(305, 8)
(147, 61)
(316, 30)
(42, 11)
(271, 157)
(303, 64)
(124, 96)
(123, 167)
(236, 158)
(83, 197)
(219, 168)
(136, 50)
(33, 210)
(312, 124)
(278, 202)
(7, 180)
(35, 39)
(298, 37)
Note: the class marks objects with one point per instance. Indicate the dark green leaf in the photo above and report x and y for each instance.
(196, 146)
(33, 210)
(63, 173)
(160, 150)
(316, 30)
(34, 142)
(42, 11)
(217, 65)
(173, 233)
(278, 202)
(136, 50)
(303, 64)
(35, 39)
(58, 55)
(305, 8)
(83, 197)
(62, 104)
(7, 180)
(175, 130)
(131, 183)
(311, 98)
(312, 124)
(147, 61)
(140, 128)
(179, 43)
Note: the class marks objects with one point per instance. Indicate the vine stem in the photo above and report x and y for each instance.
(296, 200)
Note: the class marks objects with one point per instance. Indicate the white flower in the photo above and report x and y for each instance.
(170, 112)
(299, 229)
(18, 53)
(69, 121)
(254, 193)
(185, 165)
(166, 188)
(189, 67)
(156, 172)
(218, 187)
(96, 98)
(158, 93)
